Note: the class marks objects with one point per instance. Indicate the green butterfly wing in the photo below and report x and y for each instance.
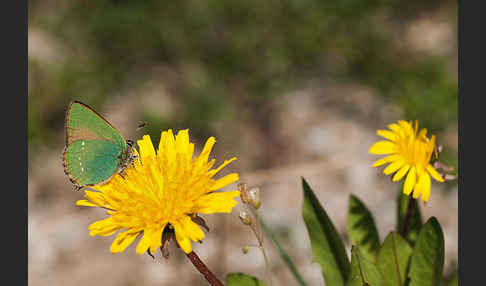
(93, 146)
(91, 162)
(83, 123)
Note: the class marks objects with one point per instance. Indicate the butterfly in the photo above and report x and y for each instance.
(95, 151)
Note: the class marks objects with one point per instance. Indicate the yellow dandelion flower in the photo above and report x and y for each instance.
(165, 189)
(409, 153)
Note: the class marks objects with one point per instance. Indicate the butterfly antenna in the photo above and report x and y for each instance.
(141, 125)
(77, 188)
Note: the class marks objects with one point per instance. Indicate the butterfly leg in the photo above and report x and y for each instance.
(131, 154)
(121, 175)
(135, 157)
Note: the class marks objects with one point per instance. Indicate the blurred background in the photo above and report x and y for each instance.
(291, 87)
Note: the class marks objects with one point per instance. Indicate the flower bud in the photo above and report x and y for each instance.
(243, 192)
(245, 249)
(449, 177)
(245, 218)
(254, 197)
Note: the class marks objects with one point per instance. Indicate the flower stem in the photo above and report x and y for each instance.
(408, 217)
(259, 235)
(203, 269)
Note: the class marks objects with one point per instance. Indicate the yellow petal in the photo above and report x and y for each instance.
(145, 242)
(420, 169)
(86, 203)
(387, 134)
(405, 125)
(422, 134)
(191, 229)
(182, 238)
(225, 163)
(423, 185)
(394, 127)
(434, 173)
(182, 141)
(166, 145)
(123, 240)
(409, 181)
(217, 202)
(383, 147)
(203, 157)
(157, 238)
(416, 191)
(146, 147)
(96, 198)
(393, 167)
(104, 227)
(387, 159)
(426, 189)
(190, 150)
(403, 170)
(380, 162)
(224, 181)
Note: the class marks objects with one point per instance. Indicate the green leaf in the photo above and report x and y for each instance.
(362, 229)
(327, 247)
(393, 259)
(454, 281)
(416, 220)
(242, 279)
(363, 271)
(284, 255)
(428, 255)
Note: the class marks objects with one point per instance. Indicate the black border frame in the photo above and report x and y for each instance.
(14, 27)
(471, 112)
